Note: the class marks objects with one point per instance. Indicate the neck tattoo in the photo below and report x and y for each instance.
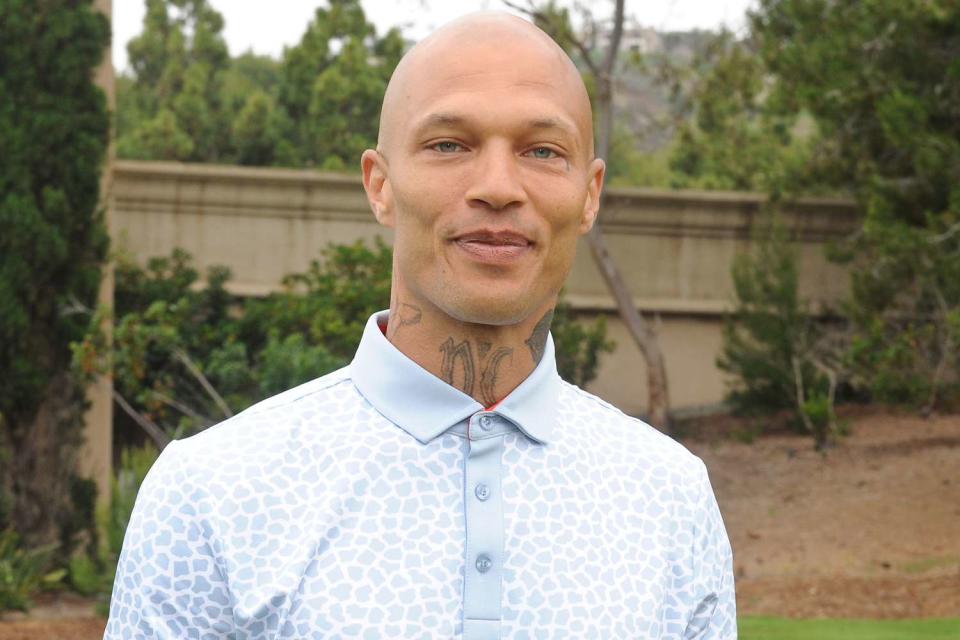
(458, 359)
(537, 342)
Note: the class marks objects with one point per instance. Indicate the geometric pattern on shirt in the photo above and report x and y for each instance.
(312, 516)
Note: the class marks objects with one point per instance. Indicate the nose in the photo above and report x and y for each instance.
(496, 180)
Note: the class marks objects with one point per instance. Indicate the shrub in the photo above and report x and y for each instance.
(578, 344)
(91, 572)
(906, 309)
(134, 464)
(23, 571)
(185, 357)
(771, 340)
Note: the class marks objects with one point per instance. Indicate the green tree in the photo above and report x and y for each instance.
(881, 79)
(188, 100)
(54, 127)
(260, 132)
(857, 98)
(735, 136)
(179, 62)
(332, 85)
(257, 130)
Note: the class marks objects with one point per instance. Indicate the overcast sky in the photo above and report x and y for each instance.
(266, 26)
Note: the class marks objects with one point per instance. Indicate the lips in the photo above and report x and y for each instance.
(496, 247)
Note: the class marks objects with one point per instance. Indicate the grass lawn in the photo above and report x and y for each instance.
(759, 628)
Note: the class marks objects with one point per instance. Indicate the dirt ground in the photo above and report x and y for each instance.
(869, 530)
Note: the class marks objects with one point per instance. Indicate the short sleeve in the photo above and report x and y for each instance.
(715, 614)
(169, 581)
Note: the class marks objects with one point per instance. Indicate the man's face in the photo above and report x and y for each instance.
(488, 180)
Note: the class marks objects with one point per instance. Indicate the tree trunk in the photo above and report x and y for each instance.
(42, 462)
(658, 402)
(658, 399)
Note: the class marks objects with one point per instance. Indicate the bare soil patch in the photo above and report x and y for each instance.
(870, 529)
(61, 616)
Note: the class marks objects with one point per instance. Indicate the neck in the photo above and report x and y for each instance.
(486, 362)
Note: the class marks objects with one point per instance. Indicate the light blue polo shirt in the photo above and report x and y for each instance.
(380, 502)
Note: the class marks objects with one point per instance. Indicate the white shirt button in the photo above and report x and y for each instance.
(486, 423)
(482, 491)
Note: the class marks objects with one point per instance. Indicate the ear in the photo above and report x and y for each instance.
(591, 205)
(376, 183)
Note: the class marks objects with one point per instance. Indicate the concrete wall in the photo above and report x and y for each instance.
(675, 250)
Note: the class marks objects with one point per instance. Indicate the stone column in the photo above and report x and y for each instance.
(96, 457)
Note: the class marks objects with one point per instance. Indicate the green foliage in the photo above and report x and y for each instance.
(91, 573)
(54, 128)
(250, 348)
(179, 62)
(79, 523)
(337, 110)
(188, 100)
(328, 304)
(170, 337)
(907, 311)
(85, 575)
(860, 98)
(578, 345)
(762, 335)
(769, 338)
(287, 362)
(737, 138)
(182, 349)
(23, 571)
(880, 79)
(134, 465)
(630, 167)
(256, 129)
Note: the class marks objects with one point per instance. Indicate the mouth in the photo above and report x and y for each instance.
(497, 247)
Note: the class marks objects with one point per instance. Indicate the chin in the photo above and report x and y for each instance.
(496, 310)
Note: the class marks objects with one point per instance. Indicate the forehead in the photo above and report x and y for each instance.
(501, 81)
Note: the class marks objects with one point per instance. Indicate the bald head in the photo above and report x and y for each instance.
(479, 45)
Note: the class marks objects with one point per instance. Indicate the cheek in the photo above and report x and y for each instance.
(565, 214)
(416, 233)
(564, 222)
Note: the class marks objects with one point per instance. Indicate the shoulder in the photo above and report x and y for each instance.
(272, 423)
(591, 421)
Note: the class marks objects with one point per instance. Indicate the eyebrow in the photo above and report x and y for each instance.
(448, 119)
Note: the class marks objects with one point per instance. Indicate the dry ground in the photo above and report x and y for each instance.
(869, 530)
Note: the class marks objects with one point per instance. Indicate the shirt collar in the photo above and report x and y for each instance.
(425, 406)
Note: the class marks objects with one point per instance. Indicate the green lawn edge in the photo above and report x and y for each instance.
(769, 628)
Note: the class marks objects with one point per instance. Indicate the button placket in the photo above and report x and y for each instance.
(484, 532)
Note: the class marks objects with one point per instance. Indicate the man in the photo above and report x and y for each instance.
(447, 483)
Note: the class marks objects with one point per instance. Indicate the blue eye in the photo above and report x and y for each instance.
(543, 153)
(446, 147)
